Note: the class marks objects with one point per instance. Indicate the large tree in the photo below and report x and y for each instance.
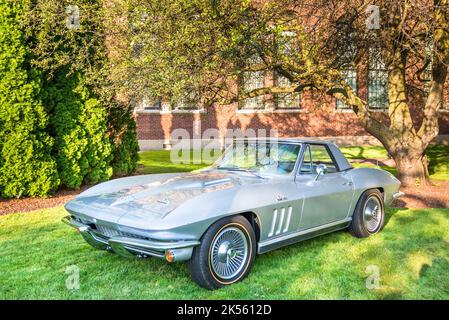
(204, 46)
(94, 131)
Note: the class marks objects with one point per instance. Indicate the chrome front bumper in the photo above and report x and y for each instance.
(134, 247)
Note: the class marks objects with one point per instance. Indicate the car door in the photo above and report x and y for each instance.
(328, 197)
(281, 204)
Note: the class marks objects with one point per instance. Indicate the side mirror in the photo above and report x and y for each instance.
(321, 170)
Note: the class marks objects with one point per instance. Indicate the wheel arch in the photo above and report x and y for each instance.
(254, 221)
(252, 218)
(380, 189)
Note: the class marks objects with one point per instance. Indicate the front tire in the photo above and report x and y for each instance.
(368, 217)
(225, 255)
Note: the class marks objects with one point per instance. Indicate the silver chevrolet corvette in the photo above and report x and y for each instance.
(259, 196)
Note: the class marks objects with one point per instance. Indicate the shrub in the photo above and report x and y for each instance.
(79, 124)
(122, 128)
(56, 125)
(26, 166)
(83, 110)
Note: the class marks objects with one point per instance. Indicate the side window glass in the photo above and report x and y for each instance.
(320, 155)
(307, 165)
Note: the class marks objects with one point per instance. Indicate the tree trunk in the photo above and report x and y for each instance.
(399, 135)
(402, 142)
(412, 166)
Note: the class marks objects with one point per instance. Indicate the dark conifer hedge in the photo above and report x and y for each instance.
(26, 165)
(60, 125)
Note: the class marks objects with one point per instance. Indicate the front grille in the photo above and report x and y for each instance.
(110, 232)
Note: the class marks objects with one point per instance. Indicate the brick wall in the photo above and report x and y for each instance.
(317, 117)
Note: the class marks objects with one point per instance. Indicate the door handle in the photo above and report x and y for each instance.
(347, 183)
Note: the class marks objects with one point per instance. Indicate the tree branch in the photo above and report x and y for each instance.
(429, 127)
(259, 92)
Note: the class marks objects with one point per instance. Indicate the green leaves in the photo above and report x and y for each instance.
(78, 120)
(202, 46)
(59, 124)
(123, 138)
(57, 46)
(26, 165)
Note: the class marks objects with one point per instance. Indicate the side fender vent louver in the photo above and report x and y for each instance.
(281, 221)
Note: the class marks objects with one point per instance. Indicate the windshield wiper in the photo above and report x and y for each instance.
(241, 170)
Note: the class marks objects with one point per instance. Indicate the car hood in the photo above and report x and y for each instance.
(149, 198)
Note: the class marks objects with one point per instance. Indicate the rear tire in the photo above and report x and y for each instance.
(225, 255)
(368, 217)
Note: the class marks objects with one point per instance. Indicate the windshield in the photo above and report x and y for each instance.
(260, 157)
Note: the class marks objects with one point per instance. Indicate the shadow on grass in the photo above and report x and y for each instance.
(438, 156)
(435, 274)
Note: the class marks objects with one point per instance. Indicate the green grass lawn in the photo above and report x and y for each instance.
(159, 161)
(438, 159)
(412, 254)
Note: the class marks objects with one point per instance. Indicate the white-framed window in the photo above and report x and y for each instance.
(377, 81)
(290, 100)
(252, 80)
(188, 102)
(150, 104)
(350, 76)
(285, 100)
(154, 105)
(346, 51)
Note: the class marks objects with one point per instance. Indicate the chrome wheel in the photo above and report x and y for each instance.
(229, 252)
(372, 214)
